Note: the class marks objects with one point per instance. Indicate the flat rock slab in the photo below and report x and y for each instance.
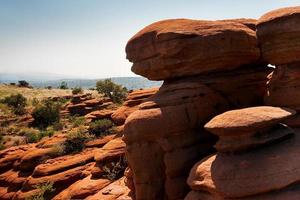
(251, 173)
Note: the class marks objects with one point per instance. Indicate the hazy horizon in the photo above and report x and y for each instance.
(87, 38)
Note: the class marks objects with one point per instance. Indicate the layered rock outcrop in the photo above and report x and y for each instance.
(253, 170)
(278, 33)
(208, 67)
(25, 168)
(183, 47)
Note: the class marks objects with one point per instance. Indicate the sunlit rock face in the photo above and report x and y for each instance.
(251, 162)
(208, 67)
(278, 33)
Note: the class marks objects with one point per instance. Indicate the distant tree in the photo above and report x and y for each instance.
(23, 83)
(49, 87)
(115, 92)
(77, 90)
(63, 85)
(13, 84)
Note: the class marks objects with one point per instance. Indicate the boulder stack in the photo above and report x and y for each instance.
(278, 33)
(251, 162)
(208, 67)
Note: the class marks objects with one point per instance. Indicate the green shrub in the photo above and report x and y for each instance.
(63, 85)
(31, 135)
(75, 140)
(46, 133)
(58, 126)
(77, 90)
(16, 102)
(77, 121)
(115, 92)
(46, 113)
(45, 190)
(101, 127)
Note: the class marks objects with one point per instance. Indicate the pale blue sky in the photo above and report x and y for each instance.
(86, 38)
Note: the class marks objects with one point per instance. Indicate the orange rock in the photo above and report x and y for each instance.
(12, 154)
(131, 104)
(64, 163)
(183, 47)
(115, 191)
(250, 23)
(283, 86)
(100, 142)
(82, 188)
(250, 173)
(34, 157)
(99, 114)
(243, 121)
(60, 181)
(278, 33)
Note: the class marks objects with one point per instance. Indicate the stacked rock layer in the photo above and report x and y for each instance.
(279, 35)
(253, 150)
(208, 67)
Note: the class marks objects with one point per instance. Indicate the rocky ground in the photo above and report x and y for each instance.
(66, 164)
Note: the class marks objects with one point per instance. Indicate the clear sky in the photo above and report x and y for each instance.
(86, 38)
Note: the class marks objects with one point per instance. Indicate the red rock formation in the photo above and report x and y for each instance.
(278, 33)
(167, 130)
(71, 175)
(252, 172)
(131, 104)
(183, 47)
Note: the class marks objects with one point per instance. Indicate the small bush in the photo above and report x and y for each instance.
(46, 133)
(77, 90)
(115, 92)
(45, 190)
(101, 127)
(77, 121)
(23, 83)
(31, 135)
(16, 102)
(75, 140)
(63, 85)
(58, 149)
(46, 113)
(58, 126)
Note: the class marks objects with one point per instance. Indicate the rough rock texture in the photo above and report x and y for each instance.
(25, 167)
(278, 33)
(258, 173)
(247, 120)
(131, 104)
(201, 80)
(283, 86)
(183, 47)
(85, 104)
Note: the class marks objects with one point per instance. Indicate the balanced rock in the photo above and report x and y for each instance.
(278, 33)
(255, 172)
(183, 47)
(244, 128)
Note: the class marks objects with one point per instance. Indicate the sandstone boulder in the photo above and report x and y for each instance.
(278, 33)
(183, 47)
(250, 173)
(249, 127)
